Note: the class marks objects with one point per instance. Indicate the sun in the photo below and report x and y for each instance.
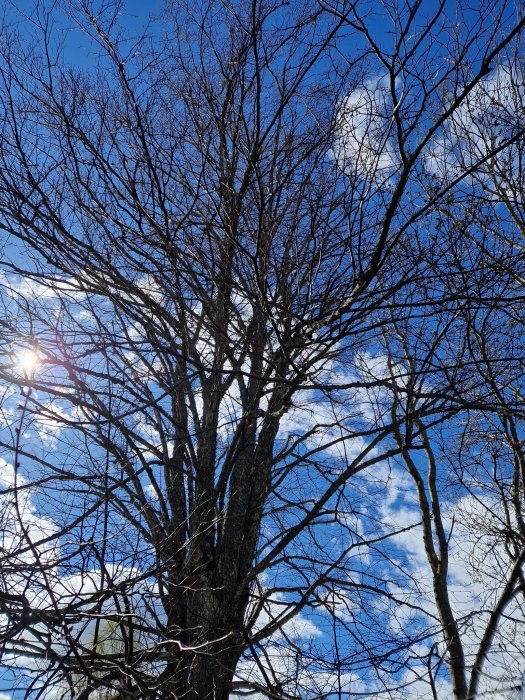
(27, 360)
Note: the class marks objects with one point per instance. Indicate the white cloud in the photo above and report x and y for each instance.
(279, 659)
(491, 113)
(364, 145)
(28, 288)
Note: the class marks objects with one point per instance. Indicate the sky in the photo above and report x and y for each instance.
(366, 148)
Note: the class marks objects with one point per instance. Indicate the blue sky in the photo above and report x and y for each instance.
(381, 500)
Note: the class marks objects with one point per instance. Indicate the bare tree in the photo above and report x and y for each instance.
(467, 472)
(208, 237)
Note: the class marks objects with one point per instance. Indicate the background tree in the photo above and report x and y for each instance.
(467, 473)
(212, 233)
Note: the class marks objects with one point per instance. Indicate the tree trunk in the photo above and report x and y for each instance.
(212, 644)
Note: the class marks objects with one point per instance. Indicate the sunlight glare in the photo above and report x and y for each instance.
(27, 360)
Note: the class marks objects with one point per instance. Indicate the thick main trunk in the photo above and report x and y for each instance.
(210, 676)
(203, 668)
(208, 593)
(205, 617)
(206, 675)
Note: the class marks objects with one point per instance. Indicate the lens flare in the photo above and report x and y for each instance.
(27, 360)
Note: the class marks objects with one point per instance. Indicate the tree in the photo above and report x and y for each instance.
(210, 239)
(468, 472)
